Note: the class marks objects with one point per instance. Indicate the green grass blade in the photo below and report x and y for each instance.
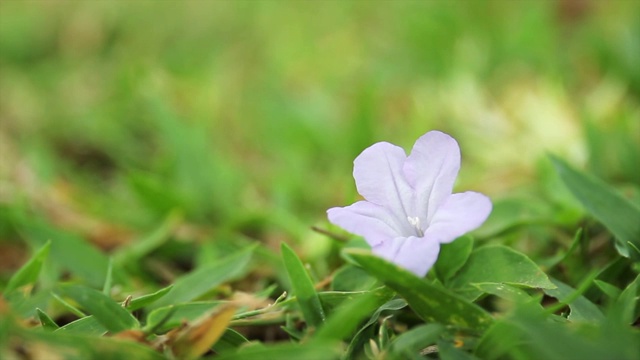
(581, 308)
(88, 326)
(303, 288)
(29, 272)
(432, 303)
(87, 262)
(73, 345)
(137, 249)
(346, 318)
(72, 309)
(46, 321)
(108, 312)
(448, 351)
(414, 340)
(608, 289)
(605, 204)
(106, 289)
(165, 318)
(145, 300)
(625, 308)
(362, 336)
(205, 278)
(291, 351)
(229, 341)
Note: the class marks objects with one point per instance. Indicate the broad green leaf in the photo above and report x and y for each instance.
(498, 264)
(290, 351)
(303, 288)
(430, 302)
(581, 308)
(46, 321)
(345, 319)
(352, 278)
(605, 204)
(29, 272)
(203, 279)
(510, 214)
(571, 295)
(173, 315)
(453, 256)
(504, 291)
(409, 344)
(108, 312)
(145, 300)
(87, 325)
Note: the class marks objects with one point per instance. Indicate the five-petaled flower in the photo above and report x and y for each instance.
(410, 209)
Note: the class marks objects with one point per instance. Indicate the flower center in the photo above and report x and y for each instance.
(415, 222)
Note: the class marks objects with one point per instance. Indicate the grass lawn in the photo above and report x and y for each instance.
(166, 168)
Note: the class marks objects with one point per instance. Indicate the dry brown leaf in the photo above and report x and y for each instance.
(197, 338)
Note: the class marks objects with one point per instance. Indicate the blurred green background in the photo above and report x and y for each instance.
(242, 118)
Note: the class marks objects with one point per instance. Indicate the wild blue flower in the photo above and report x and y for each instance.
(409, 208)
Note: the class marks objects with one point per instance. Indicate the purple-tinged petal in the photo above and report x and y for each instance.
(412, 253)
(371, 221)
(431, 170)
(380, 179)
(459, 214)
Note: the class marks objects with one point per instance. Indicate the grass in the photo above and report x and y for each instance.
(165, 151)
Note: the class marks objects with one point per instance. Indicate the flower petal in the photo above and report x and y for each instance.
(431, 169)
(371, 221)
(412, 253)
(459, 214)
(380, 179)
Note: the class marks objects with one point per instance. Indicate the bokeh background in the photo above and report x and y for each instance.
(235, 121)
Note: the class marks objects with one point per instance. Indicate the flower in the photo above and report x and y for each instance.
(409, 208)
